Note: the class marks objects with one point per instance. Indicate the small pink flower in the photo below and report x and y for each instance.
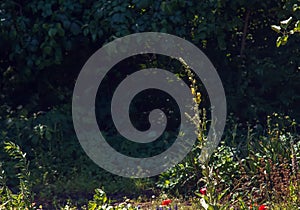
(203, 191)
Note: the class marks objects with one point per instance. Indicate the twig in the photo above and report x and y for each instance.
(245, 32)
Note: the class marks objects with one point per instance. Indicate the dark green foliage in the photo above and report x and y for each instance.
(24, 198)
(58, 165)
(44, 44)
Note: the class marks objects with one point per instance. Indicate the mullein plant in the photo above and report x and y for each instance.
(210, 199)
(199, 118)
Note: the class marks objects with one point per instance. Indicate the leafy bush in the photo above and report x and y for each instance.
(268, 174)
(24, 198)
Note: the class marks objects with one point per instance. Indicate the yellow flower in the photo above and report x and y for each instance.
(198, 98)
(193, 91)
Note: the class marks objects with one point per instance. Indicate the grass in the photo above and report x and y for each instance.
(249, 168)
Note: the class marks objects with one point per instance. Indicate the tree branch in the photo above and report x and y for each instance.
(243, 44)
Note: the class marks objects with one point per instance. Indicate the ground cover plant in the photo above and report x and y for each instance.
(264, 171)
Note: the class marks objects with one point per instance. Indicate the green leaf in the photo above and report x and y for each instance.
(48, 135)
(284, 39)
(52, 32)
(210, 207)
(297, 26)
(75, 29)
(45, 26)
(66, 23)
(285, 23)
(295, 7)
(276, 28)
(94, 36)
(220, 196)
(60, 30)
(86, 31)
(47, 50)
(278, 41)
(165, 7)
(92, 205)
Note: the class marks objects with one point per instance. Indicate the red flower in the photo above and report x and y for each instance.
(262, 207)
(203, 191)
(166, 202)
